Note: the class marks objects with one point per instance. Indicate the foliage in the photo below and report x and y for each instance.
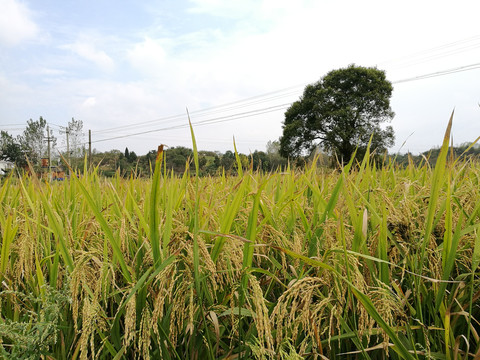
(36, 331)
(178, 159)
(303, 263)
(76, 142)
(32, 140)
(340, 113)
(465, 150)
(10, 149)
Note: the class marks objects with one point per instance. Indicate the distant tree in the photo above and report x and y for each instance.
(202, 161)
(273, 147)
(177, 157)
(127, 153)
(32, 140)
(340, 113)
(112, 157)
(227, 160)
(132, 157)
(273, 153)
(76, 140)
(147, 161)
(10, 149)
(260, 161)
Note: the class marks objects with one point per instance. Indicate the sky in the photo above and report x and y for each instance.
(130, 69)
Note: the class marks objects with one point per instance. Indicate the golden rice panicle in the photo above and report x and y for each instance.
(435, 263)
(77, 279)
(330, 240)
(359, 278)
(192, 309)
(389, 308)
(89, 319)
(256, 304)
(292, 353)
(209, 265)
(165, 282)
(182, 304)
(123, 236)
(85, 275)
(144, 338)
(229, 263)
(298, 245)
(234, 320)
(25, 247)
(302, 306)
(130, 320)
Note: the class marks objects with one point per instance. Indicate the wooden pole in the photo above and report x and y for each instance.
(49, 157)
(67, 132)
(89, 148)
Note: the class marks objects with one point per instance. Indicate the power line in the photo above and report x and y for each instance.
(440, 73)
(204, 122)
(59, 126)
(274, 108)
(250, 101)
(254, 100)
(441, 51)
(181, 117)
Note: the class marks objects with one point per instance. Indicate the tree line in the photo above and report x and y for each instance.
(32, 144)
(38, 139)
(179, 158)
(339, 116)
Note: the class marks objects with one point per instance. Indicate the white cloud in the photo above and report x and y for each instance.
(16, 24)
(46, 72)
(148, 56)
(229, 9)
(241, 48)
(89, 102)
(86, 49)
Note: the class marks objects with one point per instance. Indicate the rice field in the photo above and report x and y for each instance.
(367, 262)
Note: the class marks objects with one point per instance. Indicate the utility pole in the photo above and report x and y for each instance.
(67, 132)
(68, 147)
(89, 148)
(68, 152)
(49, 157)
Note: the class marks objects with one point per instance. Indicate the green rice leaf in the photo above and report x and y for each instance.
(154, 217)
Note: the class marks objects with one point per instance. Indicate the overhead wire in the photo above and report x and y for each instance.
(256, 112)
(440, 73)
(204, 122)
(181, 117)
(12, 129)
(422, 56)
(258, 99)
(425, 55)
(277, 107)
(434, 53)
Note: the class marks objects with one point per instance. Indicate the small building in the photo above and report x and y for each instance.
(58, 175)
(5, 166)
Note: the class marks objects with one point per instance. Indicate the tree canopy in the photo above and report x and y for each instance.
(10, 149)
(32, 140)
(340, 113)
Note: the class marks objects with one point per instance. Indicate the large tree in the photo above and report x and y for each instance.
(76, 139)
(340, 113)
(33, 140)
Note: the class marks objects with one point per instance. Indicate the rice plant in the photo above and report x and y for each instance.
(372, 261)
